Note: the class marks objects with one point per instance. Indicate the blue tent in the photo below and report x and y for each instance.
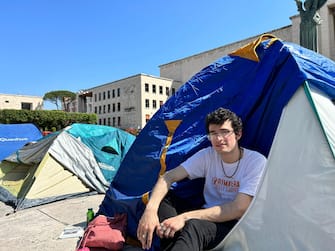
(14, 136)
(255, 81)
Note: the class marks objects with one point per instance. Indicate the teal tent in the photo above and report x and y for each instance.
(68, 163)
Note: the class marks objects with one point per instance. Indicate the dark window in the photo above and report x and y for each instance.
(167, 91)
(26, 106)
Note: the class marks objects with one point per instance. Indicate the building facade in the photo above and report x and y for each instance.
(129, 102)
(20, 102)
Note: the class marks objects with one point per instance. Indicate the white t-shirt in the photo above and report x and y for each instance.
(218, 188)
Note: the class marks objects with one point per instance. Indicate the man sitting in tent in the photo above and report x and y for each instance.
(231, 173)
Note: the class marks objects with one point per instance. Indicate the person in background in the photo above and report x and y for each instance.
(232, 175)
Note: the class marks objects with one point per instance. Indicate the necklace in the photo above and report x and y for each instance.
(238, 164)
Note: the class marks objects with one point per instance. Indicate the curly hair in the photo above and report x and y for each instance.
(221, 115)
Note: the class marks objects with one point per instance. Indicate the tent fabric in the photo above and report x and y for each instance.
(61, 165)
(14, 136)
(256, 91)
(257, 85)
(103, 137)
(293, 208)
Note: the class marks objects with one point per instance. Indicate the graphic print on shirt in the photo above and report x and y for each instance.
(226, 187)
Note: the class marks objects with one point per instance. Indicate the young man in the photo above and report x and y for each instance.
(231, 177)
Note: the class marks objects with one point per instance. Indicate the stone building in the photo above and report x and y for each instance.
(129, 102)
(20, 102)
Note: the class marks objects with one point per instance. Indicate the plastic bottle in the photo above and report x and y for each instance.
(89, 215)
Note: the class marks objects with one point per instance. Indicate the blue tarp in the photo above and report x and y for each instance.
(15, 136)
(256, 89)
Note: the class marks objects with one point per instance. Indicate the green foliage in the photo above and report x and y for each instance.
(60, 97)
(47, 119)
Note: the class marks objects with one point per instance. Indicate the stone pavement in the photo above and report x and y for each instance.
(39, 228)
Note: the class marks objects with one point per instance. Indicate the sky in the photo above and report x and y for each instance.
(49, 45)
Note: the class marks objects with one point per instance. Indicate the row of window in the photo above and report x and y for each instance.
(107, 108)
(107, 95)
(154, 103)
(115, 121)
(154, 87)
(117, 107)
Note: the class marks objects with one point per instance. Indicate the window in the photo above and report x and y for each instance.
(118, 107)
(167, 91)
(104, 121)
(154, 104)
(147, 103)
(26, 106)
(147, 118)
(160, 89)
(99, 96)
(109, 94)
(99, 109)
(153, 88)
(109, 121)
(109, 108)
(95, 97)
(118, 92)
(113, 93)
(161, 103)
(104, 95)
(173, 91)
(118, 121)
(95, 109)
(113, 121)
(104, 109)
(146, 87)
(113, 107)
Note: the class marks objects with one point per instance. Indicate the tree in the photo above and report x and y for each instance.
(60, 97)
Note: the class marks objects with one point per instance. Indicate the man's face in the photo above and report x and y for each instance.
(223, 137)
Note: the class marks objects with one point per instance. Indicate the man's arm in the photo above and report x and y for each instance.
(226, 212)
(221, 213)
(149, 220)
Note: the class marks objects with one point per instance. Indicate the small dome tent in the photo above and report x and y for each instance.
(65, 164)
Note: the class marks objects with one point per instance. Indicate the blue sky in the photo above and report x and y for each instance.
(71, 45)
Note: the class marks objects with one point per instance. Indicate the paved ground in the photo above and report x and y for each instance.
(39, 228)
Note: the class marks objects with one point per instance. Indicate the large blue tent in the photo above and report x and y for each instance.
(256, 82)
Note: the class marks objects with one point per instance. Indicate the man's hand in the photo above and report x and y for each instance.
(170, 226)
(146, 226)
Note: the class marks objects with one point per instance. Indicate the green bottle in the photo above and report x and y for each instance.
(89, 215)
